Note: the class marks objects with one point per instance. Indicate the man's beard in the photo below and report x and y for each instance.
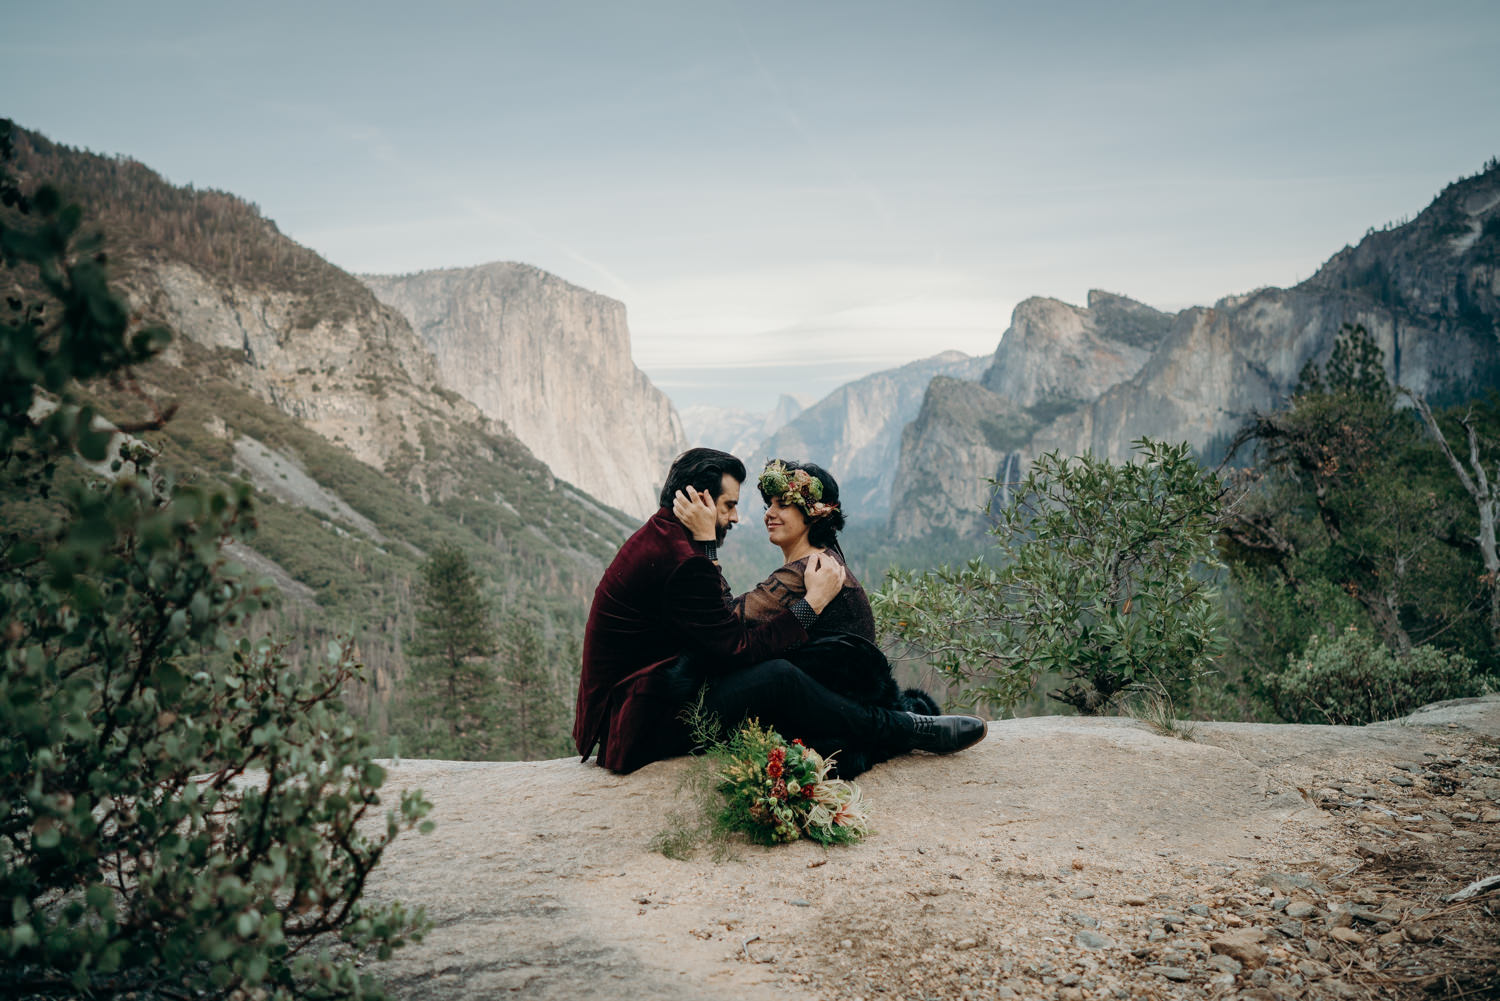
(722, 530)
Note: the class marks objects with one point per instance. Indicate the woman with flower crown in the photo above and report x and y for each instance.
(802, 519)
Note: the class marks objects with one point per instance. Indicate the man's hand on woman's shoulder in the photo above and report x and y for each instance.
(824, 578)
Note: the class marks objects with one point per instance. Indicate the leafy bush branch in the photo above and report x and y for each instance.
(180, 812)
(1102, 577)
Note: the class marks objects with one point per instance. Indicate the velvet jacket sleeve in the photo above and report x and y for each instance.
(695, 600)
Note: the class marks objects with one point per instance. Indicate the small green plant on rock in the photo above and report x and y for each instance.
(1102, 578)
(1157, 710)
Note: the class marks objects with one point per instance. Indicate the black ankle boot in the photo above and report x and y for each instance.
(945, 734)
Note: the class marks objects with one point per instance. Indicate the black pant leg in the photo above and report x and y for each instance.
(783, 696)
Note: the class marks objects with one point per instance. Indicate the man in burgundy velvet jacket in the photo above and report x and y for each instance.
(662, 597)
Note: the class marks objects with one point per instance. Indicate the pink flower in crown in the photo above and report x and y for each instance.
(819, 509)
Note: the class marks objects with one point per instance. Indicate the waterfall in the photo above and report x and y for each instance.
(1006, 477)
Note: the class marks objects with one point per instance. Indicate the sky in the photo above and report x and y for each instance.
(787, 196)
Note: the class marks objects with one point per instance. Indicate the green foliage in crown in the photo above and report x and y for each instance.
(796, 487)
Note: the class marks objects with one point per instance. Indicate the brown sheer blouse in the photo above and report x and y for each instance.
(848, 612)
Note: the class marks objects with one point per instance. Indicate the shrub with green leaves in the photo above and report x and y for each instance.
(1353, 678)
(1350, 516)
(180, 813)
(1102, 577)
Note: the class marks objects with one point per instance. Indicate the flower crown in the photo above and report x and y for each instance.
(795, 486)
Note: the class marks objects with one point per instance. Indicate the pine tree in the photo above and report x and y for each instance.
(452, 704)
(533, 706)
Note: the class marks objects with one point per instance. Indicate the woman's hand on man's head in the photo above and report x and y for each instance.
(698, 514)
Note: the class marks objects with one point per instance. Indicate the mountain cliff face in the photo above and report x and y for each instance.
(960, 440)
(855, 431)
(1096, 379)
(290, 374)
(271, 316)
(1054, 359)
(1060, 356)
(360, 379)
(551, 361)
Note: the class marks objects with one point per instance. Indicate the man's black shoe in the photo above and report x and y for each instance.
(946, 734)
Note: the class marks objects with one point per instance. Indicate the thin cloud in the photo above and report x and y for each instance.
(821, 151)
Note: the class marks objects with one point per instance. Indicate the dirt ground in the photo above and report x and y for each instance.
(1061, 858)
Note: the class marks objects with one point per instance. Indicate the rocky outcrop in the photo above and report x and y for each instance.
(952, 457)
(297, 378)
(1059, 356)
(855, 431)
(1053, 359)
(1096, 379)
(359, 376)
(1221, 364)
(1124, 867)
(552, 361)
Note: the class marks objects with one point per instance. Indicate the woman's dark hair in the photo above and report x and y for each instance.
(822, 532)
(701, 469)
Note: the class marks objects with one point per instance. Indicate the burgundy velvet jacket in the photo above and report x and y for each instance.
(659, 599)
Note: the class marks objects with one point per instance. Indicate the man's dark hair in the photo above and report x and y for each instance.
(702, 469)
(822, 532)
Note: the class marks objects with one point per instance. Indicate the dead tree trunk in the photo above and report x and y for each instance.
(1485, 491)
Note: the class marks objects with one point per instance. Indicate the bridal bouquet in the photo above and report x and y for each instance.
(774, 791)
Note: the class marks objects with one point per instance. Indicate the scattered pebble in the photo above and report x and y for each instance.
(1242, 946)
(1093, 940)
(1176, 973)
